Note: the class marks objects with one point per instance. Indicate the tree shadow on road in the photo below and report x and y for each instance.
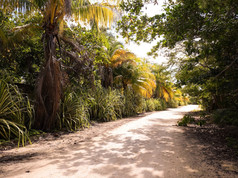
(157, 151)
(150, 146)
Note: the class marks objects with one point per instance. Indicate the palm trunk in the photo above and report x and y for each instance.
(48, 92)
(107, 79)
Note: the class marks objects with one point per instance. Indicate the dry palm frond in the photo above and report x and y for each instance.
(120, 56)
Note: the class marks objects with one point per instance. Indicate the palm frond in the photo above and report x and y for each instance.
(96, 13)
(3, 38)
(21, 5)
(11, 113)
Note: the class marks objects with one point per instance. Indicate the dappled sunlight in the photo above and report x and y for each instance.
(84, 106)
(190, 169)
(229, 166)
(168, 152)
(146, 147)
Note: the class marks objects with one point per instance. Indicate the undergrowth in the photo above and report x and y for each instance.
(197, 118)
(224, 117)
(16, 114)
(187, 119)
(79, 108)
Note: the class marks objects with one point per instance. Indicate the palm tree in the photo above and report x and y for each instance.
(122, 63)
(164, 86)
(147, 80)
(110, 47)
(49, 87)
(130, 71)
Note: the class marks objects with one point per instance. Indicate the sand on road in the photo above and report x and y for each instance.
(142, 147)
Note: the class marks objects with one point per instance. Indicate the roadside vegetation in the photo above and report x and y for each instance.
(61, 69)
(201, 39)
(63, 77)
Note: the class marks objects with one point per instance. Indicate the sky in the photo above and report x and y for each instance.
(142, 49)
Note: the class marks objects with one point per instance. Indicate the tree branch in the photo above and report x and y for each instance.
(226, 68)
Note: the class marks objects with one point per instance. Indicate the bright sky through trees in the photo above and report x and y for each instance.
(142, 49)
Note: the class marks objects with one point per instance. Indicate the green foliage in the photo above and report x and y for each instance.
(74, 112)
(190, 119)
(150, 105)
(83, 55)
(172, 103)
(225, 117)
(163, 104)
(156, 104)
(105, 104)
(134, 103)
(201, 122)
(33, 132)
(164, 86)
(187, 119)
(132, 72)
(232, 143)
(206, 34)
(15, 114)
(22, 53)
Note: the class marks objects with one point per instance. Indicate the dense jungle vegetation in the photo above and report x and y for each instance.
(202, 40)
(57, 74)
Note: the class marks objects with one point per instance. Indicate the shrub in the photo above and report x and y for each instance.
(186, 120)
(163, 104)
(105, 104)
(173, 103)
(158, 106)
(150, 105)
(225, 117)
(155, 104)
(15, 112)
(133, 103)
(74, 112)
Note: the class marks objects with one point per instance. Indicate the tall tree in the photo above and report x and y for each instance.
(164, 86)
(207, 33)
(22, 52)
(110, 46)
(49, 86)
(131, 71)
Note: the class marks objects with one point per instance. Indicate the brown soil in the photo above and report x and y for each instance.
(147, 146)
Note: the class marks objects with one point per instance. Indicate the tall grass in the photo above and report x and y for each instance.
(105, 104)
(150, 105)
(78, 108)
(74, 112)
(172, 103)
(225, 117)
(155, 104)
(133, 103)
(15, 113)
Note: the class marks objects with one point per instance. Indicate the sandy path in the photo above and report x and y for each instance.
(149, 146)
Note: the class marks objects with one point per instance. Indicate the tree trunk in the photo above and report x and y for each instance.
(48, 89)
(107, 78)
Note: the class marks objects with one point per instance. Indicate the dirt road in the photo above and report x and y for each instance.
(142, 147)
